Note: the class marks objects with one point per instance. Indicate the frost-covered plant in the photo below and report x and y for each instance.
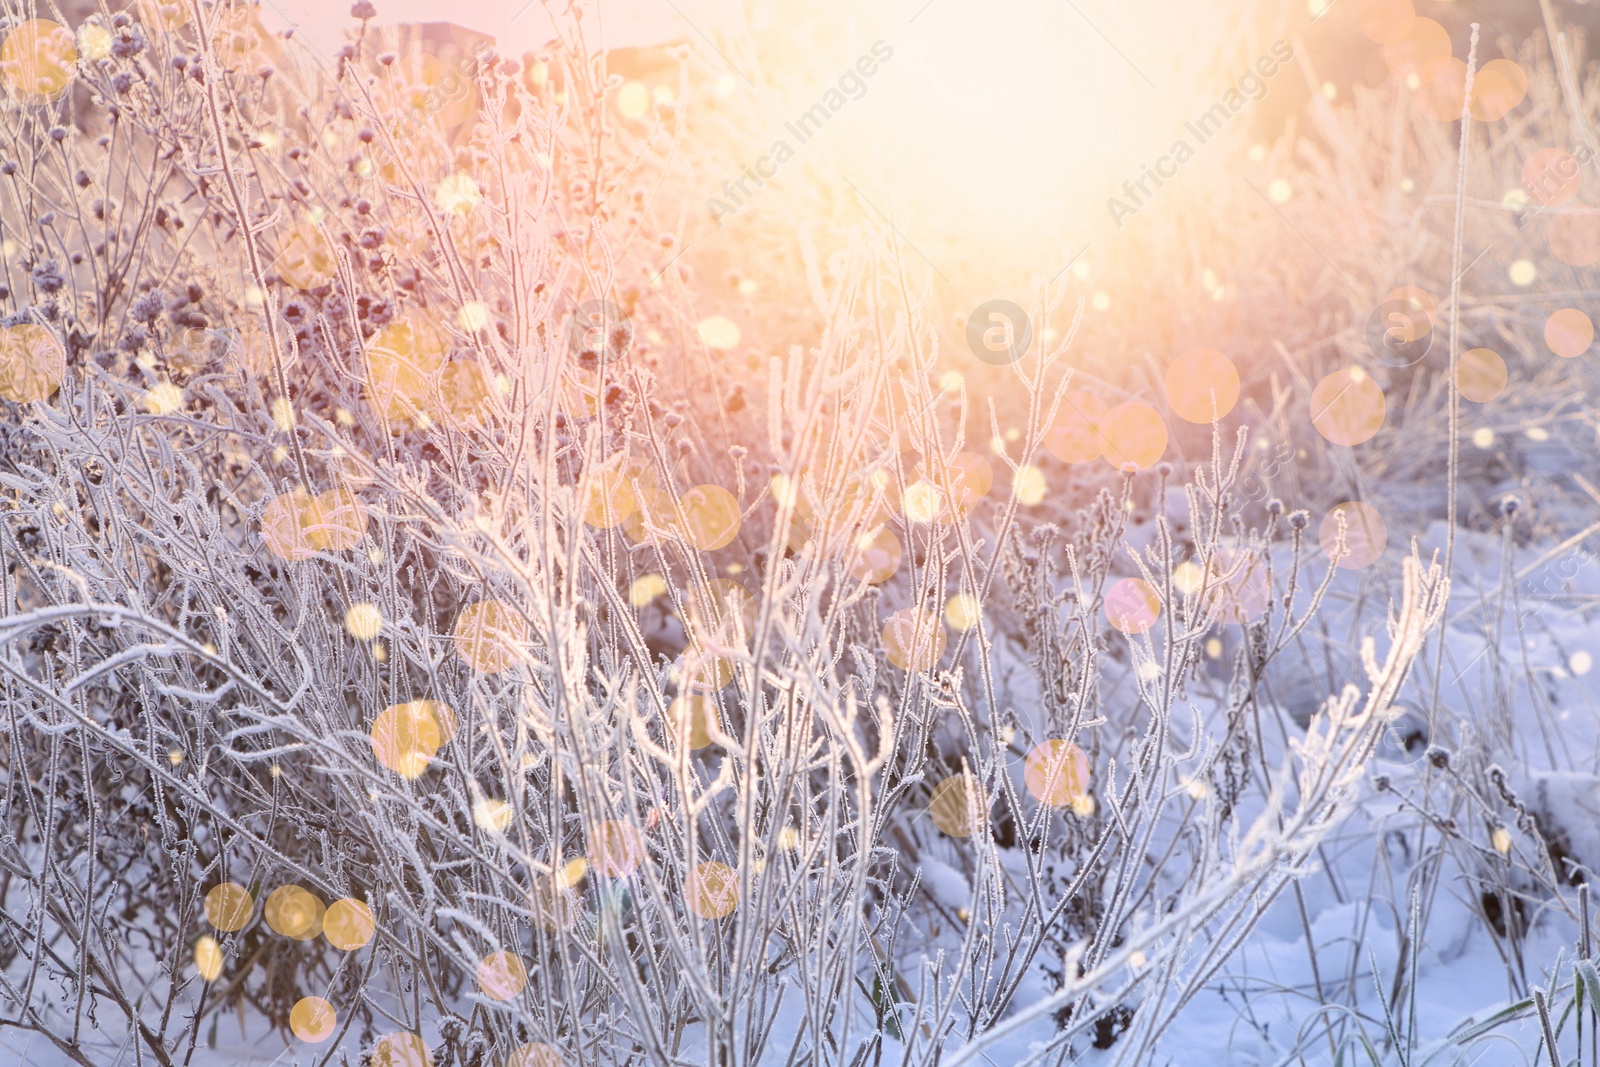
(378, 544)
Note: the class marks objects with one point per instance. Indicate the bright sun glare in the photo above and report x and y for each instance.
(996, 138)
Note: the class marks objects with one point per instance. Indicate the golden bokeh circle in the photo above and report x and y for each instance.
(535, 1054)
(229, 906)
(32, 363)
(1366, 535)
(1551, 177)
(1420, 300)
(38, 60)
(691, 716)
(363, 620)
(572, 873)
(959, 807)
(711, 517)
(1132, 605)
(1029, 485)
(414, 339)
(922, 502)
(335, 520)
(208, 958)
(464, 390)
(457, 193)
(283, 526)
(1202, 385)
(876, 557)
(608, 499)
(644, 590)
(914, 639)
(705, 670)
(1497, 88)
(719, 333)
(401, 358)
(1569, 332)
(963, 611)
(1480, 375)
(492, 815)
(1187, 578)
(502, 976)
(94, 41)
(633, 100)
(294, 911)
(313, 1020)
(1423, 40)
(400, 1050)
(712, 890)
(1056, 772)
(616, 849)
(489, 636)
(1074, 436)
(1348, 407)
(348, 924)
(303, 258)
(406, 737)
(1133, 436)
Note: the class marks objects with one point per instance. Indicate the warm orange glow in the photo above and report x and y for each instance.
(615, 849)
(294, 912)
(1569, 333)
(1075, 438)
(914, 640)
(406, 737)
(712, 890)
(1057, 773)
(1480, 375)
(37, 60)
(1133, 436)
(502, 976)
(229, 906)
(959, 807)
(1132, 605)
(348, 924)
(1347, 407)
(1202, 385)
(489, 636)
(313, 1020)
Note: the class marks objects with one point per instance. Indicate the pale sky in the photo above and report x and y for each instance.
(517, 25)
(978, 124)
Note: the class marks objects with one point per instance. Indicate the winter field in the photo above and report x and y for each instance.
(851, 533)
